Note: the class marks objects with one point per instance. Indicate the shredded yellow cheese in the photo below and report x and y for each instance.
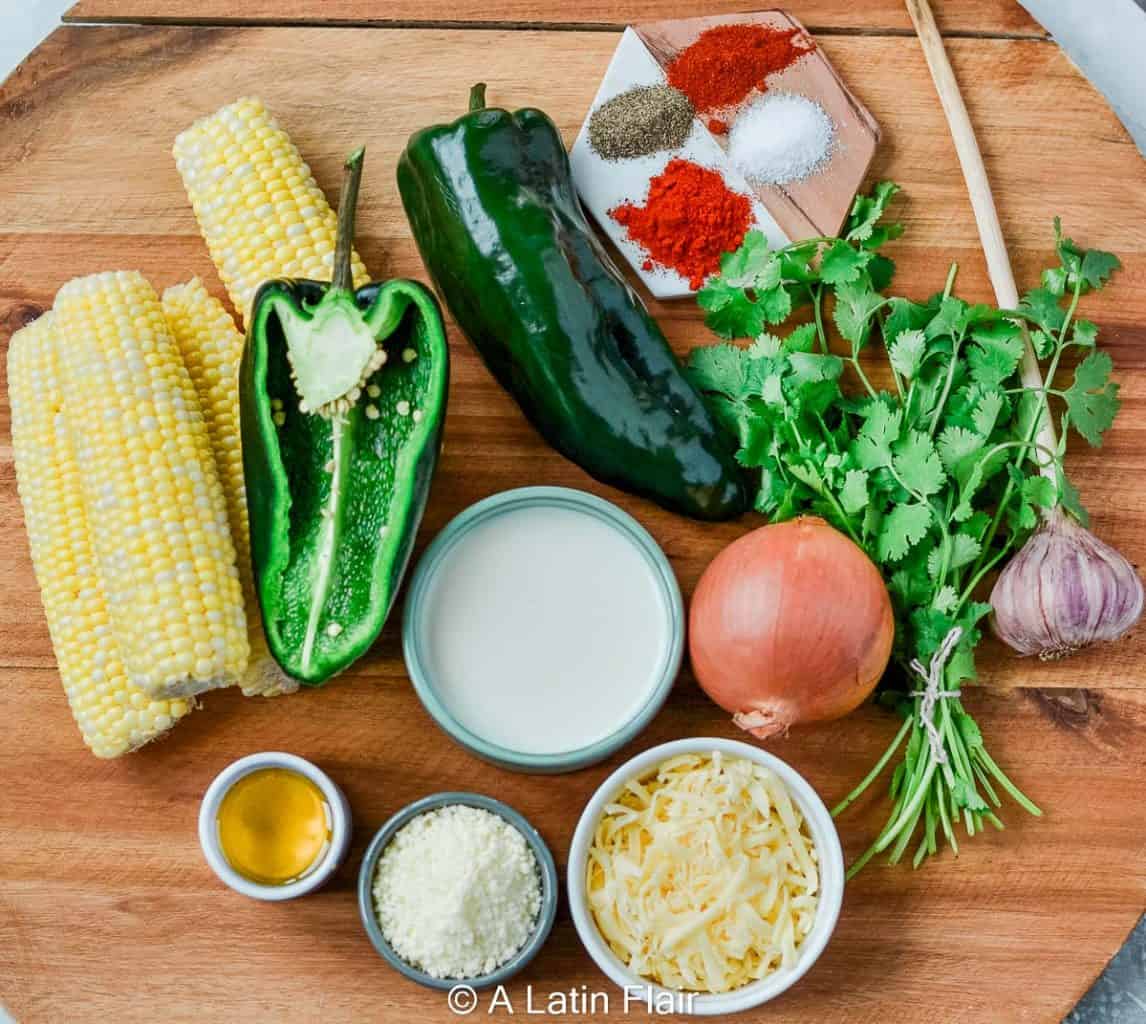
(702, 874)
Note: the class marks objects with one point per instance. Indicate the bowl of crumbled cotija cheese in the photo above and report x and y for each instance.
(455, 888)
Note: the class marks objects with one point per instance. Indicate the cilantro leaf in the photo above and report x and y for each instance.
(810, 367)
(958, 449)
(1084, 334)
(1041, 306)
(1040, 491)
(802, 339)
(853, 495)
(1044, 344)
(752, 265)
(993, 360)
(795, 262)
(903, 528)
(952, 318)
(855, 303)
(867, 211)
(1054, 280)
(880, 270)
(1097, 266)
(725, 369)
(772, 391)
(907, 352)
(987, 412)
(964, 550)
(987, 464)
(766, 346)
(1070, 499)
(843, 263)
(872, 446)
(946, 599)
(1092, 399)
(757, 440)
(808, 475)
(918, 465)
(731, 313)
(774, 304)
(905, 315)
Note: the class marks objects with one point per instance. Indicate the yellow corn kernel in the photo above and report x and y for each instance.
(114, 715)
(212, 348)
(158, 517)
(258, 206)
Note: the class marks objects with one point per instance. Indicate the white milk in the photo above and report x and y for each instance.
(546, 629)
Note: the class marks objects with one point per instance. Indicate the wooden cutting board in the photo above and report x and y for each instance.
(107, 910)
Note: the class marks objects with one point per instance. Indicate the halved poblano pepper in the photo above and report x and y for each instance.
(342, 399)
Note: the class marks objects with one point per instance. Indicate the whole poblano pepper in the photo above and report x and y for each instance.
(491, 203)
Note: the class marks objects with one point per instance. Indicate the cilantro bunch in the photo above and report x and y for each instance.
(935, 467)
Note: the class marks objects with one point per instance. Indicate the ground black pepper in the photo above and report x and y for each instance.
(640, 121)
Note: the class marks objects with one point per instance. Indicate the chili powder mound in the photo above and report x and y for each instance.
(728, 61)
(691, 217)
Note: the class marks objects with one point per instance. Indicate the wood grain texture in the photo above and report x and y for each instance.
(101, 882)
(975, 17)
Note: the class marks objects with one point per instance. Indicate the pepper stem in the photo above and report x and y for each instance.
(477, 97)
(342, 279)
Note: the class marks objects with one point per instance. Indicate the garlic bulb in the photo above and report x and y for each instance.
(1064, 590)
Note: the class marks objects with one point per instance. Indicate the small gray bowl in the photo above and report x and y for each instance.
(545, 914)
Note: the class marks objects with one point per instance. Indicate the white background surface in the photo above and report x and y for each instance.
(23, 23)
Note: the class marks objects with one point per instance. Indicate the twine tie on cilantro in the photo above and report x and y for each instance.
(932, 677)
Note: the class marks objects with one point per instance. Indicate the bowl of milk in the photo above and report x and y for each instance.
(544, 629)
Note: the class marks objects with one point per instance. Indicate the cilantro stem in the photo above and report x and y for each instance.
(1001, 506)
(977, 578)
(945, 394)
(1069, 316)
(945, 824)
(854, 360)
(951, 272)
(874, 774)
(1001, 777)
(817, 295)
(918, 791)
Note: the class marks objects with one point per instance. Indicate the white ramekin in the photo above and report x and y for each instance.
(831, 862)
(209, 833)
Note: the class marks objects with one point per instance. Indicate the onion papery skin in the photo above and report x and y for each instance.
(791, 623)
(1064, 590)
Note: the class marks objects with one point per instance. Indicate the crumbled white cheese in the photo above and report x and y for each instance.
(457, 892)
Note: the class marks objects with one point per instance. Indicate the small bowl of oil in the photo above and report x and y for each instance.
(273, 826)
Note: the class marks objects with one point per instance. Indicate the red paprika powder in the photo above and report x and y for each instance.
(728, 61)
(691, 217)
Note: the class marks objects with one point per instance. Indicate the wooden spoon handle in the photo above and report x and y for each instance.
(979, 187)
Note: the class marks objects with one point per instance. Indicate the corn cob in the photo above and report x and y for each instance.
(114, 715)
(258, 206)
(152, 494)
(212, 347)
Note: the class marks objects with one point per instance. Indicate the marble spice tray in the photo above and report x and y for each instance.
(813, 207)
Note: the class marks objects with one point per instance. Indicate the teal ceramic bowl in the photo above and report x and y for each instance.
(545, 916)
(414, 627)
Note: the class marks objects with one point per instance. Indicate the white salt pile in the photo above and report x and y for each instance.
(781, 137)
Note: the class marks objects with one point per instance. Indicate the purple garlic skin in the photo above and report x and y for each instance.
(1064, 590)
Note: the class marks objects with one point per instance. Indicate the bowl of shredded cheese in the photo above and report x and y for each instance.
(707, 875)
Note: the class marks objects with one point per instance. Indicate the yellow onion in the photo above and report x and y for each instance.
(791, 623)
(1065, 589)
